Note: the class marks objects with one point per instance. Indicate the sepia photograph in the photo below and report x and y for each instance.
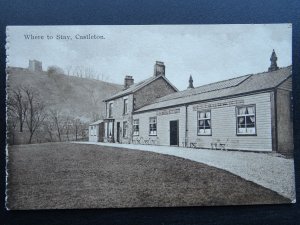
(123, 116)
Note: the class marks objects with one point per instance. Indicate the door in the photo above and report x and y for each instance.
(174, 132)
(118, 131)
(101, 132)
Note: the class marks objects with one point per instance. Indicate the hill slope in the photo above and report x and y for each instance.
(74, 96)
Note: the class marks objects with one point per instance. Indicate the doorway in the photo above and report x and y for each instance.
(118, 132)
(174, 133)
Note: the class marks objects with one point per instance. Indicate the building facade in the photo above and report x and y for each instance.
(250, 113)
(121, 106)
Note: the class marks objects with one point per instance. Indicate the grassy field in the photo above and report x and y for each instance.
(65, 175)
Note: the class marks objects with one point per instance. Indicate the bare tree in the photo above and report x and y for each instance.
(78, 71)
(49, 128)
(83, 129)
(35, 114)
(56, 118)
(67, 126)
(68, 70)
(76, 126)
(94, 96)
(11, 127)
(95, 115)
(17, 106)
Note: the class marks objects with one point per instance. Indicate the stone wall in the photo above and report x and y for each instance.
(152, 91)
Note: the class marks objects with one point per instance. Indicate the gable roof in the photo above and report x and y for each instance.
(135, 87)
(239, 85)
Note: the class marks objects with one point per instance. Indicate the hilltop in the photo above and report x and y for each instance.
(74, 96)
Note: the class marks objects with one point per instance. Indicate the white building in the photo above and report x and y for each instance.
(96, 130)
(251, 113)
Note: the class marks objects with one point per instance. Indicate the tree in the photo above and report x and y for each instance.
(54, 70)
(11, 127)
(56, 118)
(18, 106)
(67, 126)
(76, 126)
(49, 128)
(68, 70)
(36, 112)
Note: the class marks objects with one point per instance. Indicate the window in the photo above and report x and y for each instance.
(204, 123)
(246, 120)
(125, 109)
(92, 131)
(136, 127)
(95, 130)
(110, 109)
(152, 126)
(110, 129)
(125, 128)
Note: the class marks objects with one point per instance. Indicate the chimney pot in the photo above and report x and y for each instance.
(128, 81)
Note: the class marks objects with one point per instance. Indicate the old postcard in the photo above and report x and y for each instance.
(149, 116)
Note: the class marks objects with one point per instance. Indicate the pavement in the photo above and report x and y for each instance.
(266, 169)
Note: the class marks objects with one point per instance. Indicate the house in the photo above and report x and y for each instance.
(251, 113)
(121, 106)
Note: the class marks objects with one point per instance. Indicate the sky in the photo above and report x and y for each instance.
(209, 53)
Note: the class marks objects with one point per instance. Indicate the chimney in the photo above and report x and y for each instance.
(159, 69)
(191, 85)
(273, 60)
(128, 81)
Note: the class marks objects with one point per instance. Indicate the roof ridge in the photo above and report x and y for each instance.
(247, 76)
(138, 86)
(233, 78)
(253, 83)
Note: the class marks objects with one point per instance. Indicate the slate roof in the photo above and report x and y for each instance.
(135, 87)
(226, 88)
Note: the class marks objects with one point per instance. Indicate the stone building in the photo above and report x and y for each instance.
(251, 112)
(35, 66)
(121, 106)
